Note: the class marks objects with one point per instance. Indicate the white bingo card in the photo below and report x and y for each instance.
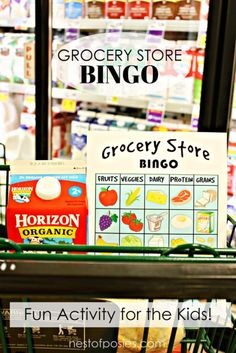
(157, 189)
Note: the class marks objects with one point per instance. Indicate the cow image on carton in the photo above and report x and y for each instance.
(47, 208)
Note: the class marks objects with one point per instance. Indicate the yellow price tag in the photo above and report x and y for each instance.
(68, 105)
(202, 41)
(4, 96)
(112, 100)
(29, 99)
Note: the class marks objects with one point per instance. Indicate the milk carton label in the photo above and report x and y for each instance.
(149, 189)
(47, 208)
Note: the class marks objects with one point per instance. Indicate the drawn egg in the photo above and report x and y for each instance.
(181, 221)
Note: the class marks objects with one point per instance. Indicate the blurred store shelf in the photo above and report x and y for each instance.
(17, 88)
(132, 102)
(24, 22)
(127, 24)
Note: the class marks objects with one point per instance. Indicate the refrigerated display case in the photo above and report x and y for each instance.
(17, 90)
(232, 161)
(174, 108)
(206, 32)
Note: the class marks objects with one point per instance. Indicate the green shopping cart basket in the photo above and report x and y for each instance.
(75, 273)
(188, 271)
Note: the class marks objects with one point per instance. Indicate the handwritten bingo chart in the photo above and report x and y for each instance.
(156, 210)
(181, 201)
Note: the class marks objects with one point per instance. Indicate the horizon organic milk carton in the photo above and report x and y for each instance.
(47, 203)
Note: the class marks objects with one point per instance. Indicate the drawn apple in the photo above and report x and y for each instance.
(108, 197)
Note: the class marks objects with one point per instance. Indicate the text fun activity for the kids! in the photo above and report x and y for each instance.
(157, 189)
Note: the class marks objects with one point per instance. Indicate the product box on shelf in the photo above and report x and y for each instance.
(164, 10)
(95, 9)
(115, 9)
(121, 122)
(181, 85)
(73, 9)
(13, 57)
(139, 10)
(79, 130)
(198, 75)
(231, 179)
(4, 9)
(47, 203)
(204, 9)
(188, 9)
(101, 122)
(20, 9)
(7, 48)
(58, 9)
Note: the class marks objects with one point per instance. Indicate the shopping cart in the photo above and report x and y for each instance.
(71, 273)
(89, 276)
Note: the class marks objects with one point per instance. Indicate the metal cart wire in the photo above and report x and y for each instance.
(181, 273)
(4, 182)
(73, 273)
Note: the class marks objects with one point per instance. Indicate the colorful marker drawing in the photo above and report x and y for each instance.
(181, 221)
(132, 197)
(131, 240)
(134, 224)
(205, 222)
(178, 241)
(155, 221)
(102, 242)
(108, 197)
(208, 196)
(105, 221)
(156, 196)
(183, 197)
(156, 241)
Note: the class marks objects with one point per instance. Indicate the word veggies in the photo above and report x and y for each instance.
(177, 149)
